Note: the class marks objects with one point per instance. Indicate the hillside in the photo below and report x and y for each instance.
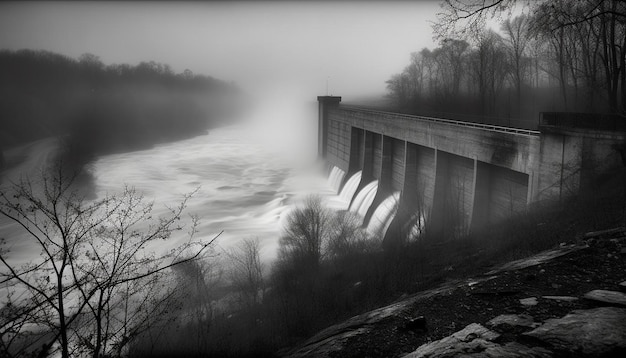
(528, 295)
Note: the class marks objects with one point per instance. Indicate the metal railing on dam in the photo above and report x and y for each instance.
(458, 175)
(488, 127)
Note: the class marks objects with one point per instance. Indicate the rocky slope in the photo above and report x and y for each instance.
(560, 303)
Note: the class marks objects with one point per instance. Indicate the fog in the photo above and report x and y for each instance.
(146, 109)
(349, 47)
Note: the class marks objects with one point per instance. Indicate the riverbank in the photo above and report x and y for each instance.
(531, 293)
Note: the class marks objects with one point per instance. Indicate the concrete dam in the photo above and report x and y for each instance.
(407, 174)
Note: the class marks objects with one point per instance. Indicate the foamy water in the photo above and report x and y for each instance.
(247, 176)
(243, 189)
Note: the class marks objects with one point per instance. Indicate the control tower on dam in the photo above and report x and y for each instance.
(451, 177)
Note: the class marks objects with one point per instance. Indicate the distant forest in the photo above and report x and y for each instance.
(102, 108)
(556, 56)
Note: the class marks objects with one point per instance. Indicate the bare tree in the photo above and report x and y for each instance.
(95, 280)
(450, 58)
(518, 36)
(587, 37)
(488, 68)
(399, 88)
(196, 293)
(347, 235)
(465, 18)
(314, 233)
(307, 232)
(246, 272)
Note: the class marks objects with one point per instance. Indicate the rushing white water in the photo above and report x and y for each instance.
(335, 178)
(242, 190)
(248, 177)
(417, 229)
(383, 215)
(364, 199)
(348, 191)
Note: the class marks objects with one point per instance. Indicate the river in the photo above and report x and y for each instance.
(247, 175)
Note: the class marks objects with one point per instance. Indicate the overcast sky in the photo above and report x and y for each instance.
(355, 45)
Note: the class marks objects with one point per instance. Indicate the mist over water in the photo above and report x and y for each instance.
(247, 175)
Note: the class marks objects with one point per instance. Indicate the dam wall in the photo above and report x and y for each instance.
(452, 177)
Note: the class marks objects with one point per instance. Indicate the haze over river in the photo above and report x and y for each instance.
(249, 175)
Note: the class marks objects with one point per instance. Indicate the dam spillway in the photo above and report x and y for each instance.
(452, 176)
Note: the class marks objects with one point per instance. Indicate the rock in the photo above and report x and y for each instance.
(470, 338)
(513, 321)
(530, 301)
(513, 350)
(538, 259)
(561, 298)
(594, 332)
(475, 341)
(607, 297)
(614, 231)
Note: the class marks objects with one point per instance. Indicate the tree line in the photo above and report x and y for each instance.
(103, 108)
(553, 56)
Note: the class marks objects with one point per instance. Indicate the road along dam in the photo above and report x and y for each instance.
(408, 174)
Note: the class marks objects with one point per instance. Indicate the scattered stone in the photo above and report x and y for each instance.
(513, 321)
(472, 338)
(622, 286)
(561, 298)
(530, 301)
(414, 324)
(607, 297)
(475, 341)
(594, 332)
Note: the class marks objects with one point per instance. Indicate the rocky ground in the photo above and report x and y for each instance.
(560, 303)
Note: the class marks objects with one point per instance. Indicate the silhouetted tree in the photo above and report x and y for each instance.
(587, 41)
(518, 36)
(246, 272)
(96, 282)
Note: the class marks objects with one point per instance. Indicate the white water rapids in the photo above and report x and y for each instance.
(248, 176)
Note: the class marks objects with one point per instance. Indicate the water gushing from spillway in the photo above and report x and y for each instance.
(383, 215)
(364, 199)
(348, 191)
(417, 225)
(335, 178)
